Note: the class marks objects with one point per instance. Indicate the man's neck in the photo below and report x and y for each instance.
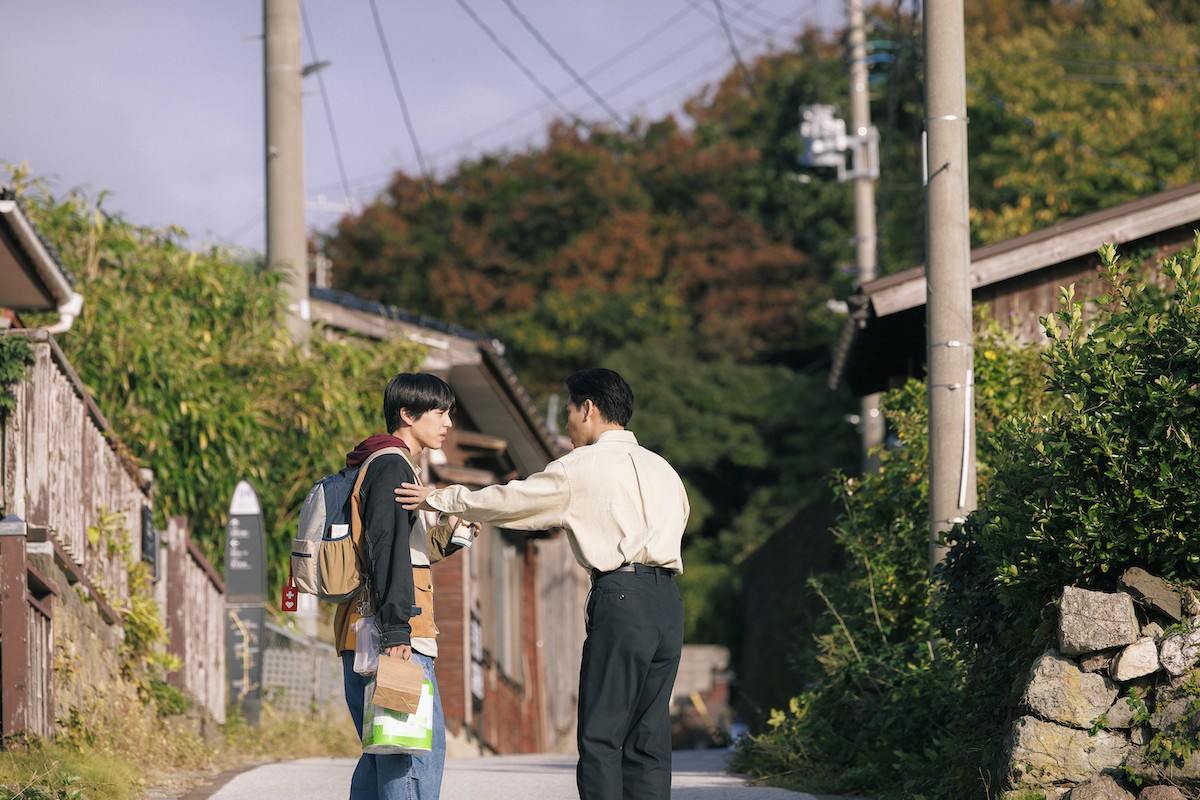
(405, 435)
(603, 430)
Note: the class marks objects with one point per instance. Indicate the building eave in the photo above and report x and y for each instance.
(31, 277)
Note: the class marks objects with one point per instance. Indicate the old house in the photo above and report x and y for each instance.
(76, 513)
(1018, 280)
(510, 609)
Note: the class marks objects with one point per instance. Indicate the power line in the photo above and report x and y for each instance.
(412, 133)
(441, 221)
(515, 60)
(337, 148)
(562, 62)
(603, 67)
(733, 48)
(574, 115)
(767, 17)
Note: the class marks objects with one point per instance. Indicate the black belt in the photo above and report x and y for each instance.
(643, 569)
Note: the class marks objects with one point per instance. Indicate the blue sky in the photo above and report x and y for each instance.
(160, 104)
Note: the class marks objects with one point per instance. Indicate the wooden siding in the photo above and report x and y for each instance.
(195, 613)
(564, 589)
(63, 472)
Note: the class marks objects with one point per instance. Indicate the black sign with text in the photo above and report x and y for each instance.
(246, 597)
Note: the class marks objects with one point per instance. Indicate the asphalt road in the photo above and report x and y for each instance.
(698, 775)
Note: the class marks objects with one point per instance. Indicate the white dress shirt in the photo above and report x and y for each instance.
(618, 502)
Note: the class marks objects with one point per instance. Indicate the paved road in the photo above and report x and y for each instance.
(699, 775)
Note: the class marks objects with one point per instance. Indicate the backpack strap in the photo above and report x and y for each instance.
(356, 523)
(362, 470)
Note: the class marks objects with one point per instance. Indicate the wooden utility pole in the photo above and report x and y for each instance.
(865, 239)
(951, 352)
(287, 246)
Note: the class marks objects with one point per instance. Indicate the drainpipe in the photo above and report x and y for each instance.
(67, 312)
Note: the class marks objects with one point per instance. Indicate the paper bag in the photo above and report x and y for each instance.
(398, 684)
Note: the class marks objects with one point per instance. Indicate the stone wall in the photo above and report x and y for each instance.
(1109, 709)
(88, 685)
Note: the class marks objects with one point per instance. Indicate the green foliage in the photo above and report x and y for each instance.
(894, 710)
(38, 771)
(15, 357)
(187, 356)
(1079, 112)
(1109, 481)
(1173, 746)
(168, 700)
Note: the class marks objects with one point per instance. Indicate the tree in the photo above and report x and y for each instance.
(188, 358)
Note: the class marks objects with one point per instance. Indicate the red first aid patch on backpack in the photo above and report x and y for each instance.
(289, 599)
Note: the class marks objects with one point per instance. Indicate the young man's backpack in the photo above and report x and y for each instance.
(325, 552)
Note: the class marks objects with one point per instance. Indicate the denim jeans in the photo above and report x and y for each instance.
(400, 777)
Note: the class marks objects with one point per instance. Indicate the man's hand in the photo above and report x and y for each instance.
(400, 651)
(412, 497)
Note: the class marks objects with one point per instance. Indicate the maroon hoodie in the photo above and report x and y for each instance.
(369, 445)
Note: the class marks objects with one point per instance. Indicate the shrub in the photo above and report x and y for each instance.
(891, 712)
(1110, 480)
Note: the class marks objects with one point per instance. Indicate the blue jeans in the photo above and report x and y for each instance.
(401, 777)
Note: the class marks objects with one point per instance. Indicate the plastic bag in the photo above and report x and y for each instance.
(366, 646)
(386, 732)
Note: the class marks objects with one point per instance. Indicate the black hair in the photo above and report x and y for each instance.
(416, 393)
(607, 390)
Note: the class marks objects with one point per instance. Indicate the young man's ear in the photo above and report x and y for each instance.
(406, 418)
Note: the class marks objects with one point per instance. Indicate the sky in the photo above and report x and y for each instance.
(159, 105)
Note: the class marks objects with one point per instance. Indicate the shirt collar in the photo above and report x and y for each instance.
(617, 436)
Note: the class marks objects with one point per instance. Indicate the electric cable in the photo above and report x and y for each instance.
(515, 60)
(562, 62)
(733, 48)
(441, 221)
(412, 133)
(337, 148)
(573, 115)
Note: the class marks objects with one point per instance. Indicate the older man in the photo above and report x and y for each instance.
(624, 510)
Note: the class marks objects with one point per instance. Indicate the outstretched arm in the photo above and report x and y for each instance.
(536, 503)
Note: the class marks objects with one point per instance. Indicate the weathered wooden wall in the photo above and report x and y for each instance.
(63, 472)
(62, 475)
(195, 612)
(564, 589)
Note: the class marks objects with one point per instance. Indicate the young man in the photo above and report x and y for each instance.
(396, 545)
(624, 509)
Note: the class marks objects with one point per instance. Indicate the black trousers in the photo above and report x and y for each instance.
(630, 658)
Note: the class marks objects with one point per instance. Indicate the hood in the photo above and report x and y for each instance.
(369, 445)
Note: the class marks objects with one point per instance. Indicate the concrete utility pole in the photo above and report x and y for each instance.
(287, 248)
(951, 351)
(866, 241)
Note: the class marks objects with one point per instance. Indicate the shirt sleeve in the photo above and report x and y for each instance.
(388, 527)
(536, 503)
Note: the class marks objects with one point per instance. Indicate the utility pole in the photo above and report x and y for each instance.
(287, 247)
(825, 143)
(865, 239)
(951, 351)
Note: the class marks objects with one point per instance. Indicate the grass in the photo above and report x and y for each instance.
(121, 758)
